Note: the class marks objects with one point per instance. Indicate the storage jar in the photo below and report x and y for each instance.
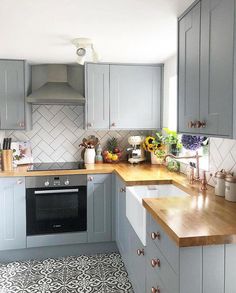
(230, 188)
(220, 183)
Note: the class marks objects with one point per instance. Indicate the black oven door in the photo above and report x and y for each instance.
(56, 210)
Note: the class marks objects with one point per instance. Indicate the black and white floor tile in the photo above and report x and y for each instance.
(100, 273)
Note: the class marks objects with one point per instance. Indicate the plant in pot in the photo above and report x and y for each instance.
(155, 145)
(172, 140)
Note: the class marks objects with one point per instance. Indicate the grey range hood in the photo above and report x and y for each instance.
(57, 84)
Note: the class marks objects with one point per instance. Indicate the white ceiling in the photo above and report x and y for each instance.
(122, 30)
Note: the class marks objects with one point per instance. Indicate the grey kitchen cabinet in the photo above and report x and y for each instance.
(12, 213)
(97, 94)
(121, 219)
(217, 66)
(124, 96)
(135, 96)
(129, 245)
(12, 94)
(206, 68)
(188, 69)
(99, 208)
(197, 269)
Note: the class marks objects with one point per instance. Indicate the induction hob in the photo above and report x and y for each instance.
(56, 166)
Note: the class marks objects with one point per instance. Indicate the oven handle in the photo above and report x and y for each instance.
(53, 191)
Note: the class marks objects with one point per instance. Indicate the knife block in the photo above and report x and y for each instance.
(7, 160)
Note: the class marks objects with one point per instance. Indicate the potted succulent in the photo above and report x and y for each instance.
(172, 140)
(155, 145)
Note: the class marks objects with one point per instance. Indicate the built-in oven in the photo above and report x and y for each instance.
(56, 204)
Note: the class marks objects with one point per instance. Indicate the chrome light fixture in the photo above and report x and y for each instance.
(85, 50)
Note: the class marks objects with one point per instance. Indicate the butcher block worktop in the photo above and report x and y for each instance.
(199, 219)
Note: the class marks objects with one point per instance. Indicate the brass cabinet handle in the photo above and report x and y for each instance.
(19, 181)
(191, 124)
(155, 262)
(21, 124)
(155, 235)
(200, 124)
(155, 290)
(140, 252)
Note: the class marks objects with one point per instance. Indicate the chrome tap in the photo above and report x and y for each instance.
(192, 177)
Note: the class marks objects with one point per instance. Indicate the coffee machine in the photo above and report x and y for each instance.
(136, 151)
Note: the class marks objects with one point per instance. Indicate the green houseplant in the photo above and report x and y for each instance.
(173, 142)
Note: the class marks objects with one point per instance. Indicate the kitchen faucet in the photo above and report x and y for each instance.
(192, 176)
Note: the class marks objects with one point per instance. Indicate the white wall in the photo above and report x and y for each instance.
(170, 93)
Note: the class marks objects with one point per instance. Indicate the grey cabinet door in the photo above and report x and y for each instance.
(99, 208)
(12, 213)
(135, 96)
(217, 57)
(12, 94)
(136, 262)
(121, 217)
(188, 70)
(97, 94)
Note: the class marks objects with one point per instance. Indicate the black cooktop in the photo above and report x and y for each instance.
(57, 166)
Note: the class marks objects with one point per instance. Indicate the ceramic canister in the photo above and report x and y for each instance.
(220, 183)
(230, 188)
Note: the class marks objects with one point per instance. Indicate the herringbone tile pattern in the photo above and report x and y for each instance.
(58, 130)
(222, 155)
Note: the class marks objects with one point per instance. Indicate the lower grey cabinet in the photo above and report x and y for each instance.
(99, 208)
(12, 213)
(12, 94)
(129, 245)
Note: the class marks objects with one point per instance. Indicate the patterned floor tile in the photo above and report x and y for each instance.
(100, 273)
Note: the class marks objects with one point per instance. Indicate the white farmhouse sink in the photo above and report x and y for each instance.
(135, 211)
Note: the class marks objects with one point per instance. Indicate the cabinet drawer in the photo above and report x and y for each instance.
(168, 248)
(161, 266)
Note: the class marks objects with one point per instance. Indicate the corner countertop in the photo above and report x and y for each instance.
(199, 219)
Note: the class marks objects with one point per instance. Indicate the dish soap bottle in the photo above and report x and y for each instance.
(98, 158)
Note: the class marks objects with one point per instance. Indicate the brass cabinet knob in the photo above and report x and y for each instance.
(90, 178)
(155, 290)
(191, 124)
(140, 252)
(113, 124)
(155, 235)
(90, 124)
(200, 124)
(123, 189)
(155, 262)
(22, 124)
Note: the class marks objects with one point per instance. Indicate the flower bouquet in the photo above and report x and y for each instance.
(155, 145)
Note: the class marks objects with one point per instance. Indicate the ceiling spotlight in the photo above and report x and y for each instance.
(85, 50)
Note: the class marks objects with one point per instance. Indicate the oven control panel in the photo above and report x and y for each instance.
(55, 181)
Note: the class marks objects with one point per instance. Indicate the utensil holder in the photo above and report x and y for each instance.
(7, 160)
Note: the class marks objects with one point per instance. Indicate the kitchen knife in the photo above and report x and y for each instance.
(4, 144)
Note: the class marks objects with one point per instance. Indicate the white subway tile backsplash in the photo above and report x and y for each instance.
(58, 131)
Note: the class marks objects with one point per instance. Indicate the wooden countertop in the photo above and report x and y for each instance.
(199, 219)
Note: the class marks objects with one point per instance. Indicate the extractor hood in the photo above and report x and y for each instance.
(57, 84)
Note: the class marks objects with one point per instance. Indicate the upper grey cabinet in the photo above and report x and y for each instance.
(206, 68)
(97, 96)
(123, 96)
(12, 94)
(217, 65)
(135, 96)
(189, 66)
